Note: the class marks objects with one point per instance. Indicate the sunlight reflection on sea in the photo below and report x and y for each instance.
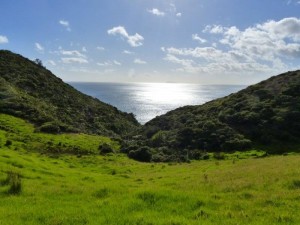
(148, 100)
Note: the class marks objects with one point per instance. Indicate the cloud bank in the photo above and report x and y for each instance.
(263, 48)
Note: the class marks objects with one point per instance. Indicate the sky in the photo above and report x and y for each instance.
(186, 41)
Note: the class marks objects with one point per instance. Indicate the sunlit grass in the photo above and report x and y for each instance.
(22, 135)
(112, 189)
(116, 190)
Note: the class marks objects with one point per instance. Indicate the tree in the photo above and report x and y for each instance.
(38, 62)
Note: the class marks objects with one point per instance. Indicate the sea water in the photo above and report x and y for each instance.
(148, 100)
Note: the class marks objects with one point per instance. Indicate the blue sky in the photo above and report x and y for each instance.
(191, 41)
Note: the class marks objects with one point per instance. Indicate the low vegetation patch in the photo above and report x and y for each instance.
(13, 181)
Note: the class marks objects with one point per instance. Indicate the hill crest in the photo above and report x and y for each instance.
(30, 91)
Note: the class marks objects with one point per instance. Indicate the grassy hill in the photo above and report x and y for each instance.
(265, 116)
(30, 91)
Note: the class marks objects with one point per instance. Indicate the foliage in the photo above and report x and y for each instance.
(105, 149)
(30, 91)
(264, 116)
(142, 154)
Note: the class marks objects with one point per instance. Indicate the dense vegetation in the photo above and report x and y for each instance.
(264, 116)
(30, 91)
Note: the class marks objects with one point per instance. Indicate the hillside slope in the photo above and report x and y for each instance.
(31, 92)
(265, 116)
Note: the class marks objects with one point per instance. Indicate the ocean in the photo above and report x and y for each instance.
(148, 100)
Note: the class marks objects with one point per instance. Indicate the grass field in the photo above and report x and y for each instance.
(92, 189)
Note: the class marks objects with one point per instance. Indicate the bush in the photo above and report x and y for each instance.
(142, 154)
(105, 149)
(158, 139)
(8, 143)
(159, 157)
(49, 127)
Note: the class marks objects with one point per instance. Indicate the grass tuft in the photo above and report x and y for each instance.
(295, 184)
(13, 179)
(102, 193)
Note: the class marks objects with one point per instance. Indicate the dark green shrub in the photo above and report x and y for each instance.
(158, 139)
(129, 146)
(8, 143)
(142, 154)
(159, 157)
(49, 127)
(105, 149)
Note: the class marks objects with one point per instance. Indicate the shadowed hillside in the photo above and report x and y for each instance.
(264, 116)
(30, 91)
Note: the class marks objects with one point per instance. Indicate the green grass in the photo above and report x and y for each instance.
(117, 190)
(94, 189)
(23, 136)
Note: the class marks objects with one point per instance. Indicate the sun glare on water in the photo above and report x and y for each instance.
(166, 93)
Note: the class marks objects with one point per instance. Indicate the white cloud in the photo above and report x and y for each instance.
(215, 29)
(51, 62)
(133, 40)
(173, 10)
(296, 2)
(139, 61)
(66, 24)
(266, 41)
(187, 64)
(72, 56)
(100, 48)
(285, 28)
(264, 48)
(199, 39)
(156, 12)
(109, 63)
(39, 47)
(72, 53)
(128, 52)
(74, 60)
(3, 39)
(117, 63)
